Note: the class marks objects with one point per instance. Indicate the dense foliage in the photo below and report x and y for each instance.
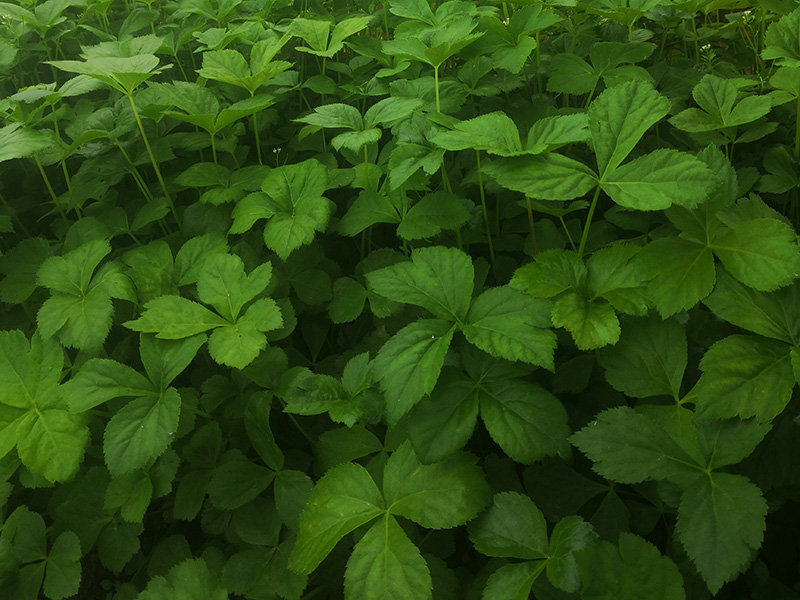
(399, 301)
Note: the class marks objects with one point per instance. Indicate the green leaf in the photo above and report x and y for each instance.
(369, 208)
(343, 500)
(100, 380)
(744, 376)
(336, 115)
(570, 74)
(299, 211)
(408, 365)
(761, 253)
(123, 73)
(780, 43)
(63, 573)
(649, 360)
(236, 482)
(18, 142)
(630, 447)
(512, 527)
(773, 315)
(632, 571)
(386, 564)
(660, 179)
(188, 580)
(717, 99)
(442, 424)
(438, 279)
(507, 324)
(432, 214)
(494, 132)
(682, 273)
(437, 496)
(553, 271)
(546, 176)
(348, 300)
(140, 432)
(51, 442)
(619, 117)
(224, 285)
(164, 360)
(592, 325)
(569, 535)
(513, 582)
(720, 524)
(525, 420)
(173, 317)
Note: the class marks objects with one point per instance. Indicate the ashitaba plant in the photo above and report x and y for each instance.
(399, 300)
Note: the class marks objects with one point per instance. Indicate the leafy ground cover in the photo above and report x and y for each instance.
(408, 301)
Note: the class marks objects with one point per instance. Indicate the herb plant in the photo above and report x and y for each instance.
(399, 300)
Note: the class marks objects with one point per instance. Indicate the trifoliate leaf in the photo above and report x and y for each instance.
(649, 360)
(512, 527)
(437, 496)
(720, 523)
(80, 308)
(409, 364)
(744, 376)
(292, 202)
(224, 285)
(386, 564)
(344, 499)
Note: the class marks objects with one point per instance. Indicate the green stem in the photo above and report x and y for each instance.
(483, 206)
(50, 189)
(538, 66)
(530, 224)
(696, 43)
(152, 158)
(585, 234)
(366, 167)
(213, 148)
(569, 236)
(797, 131)
(436, 87)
